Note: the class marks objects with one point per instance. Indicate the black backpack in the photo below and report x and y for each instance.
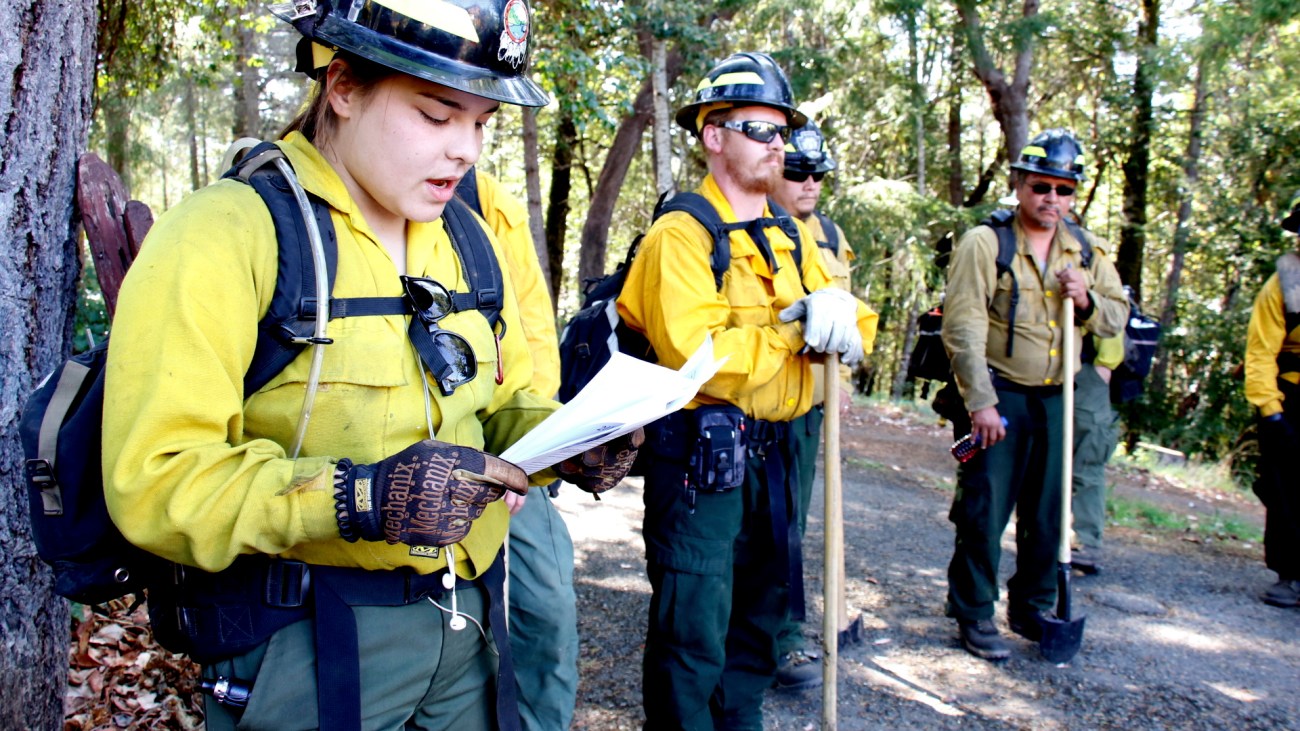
(1141, 338)
(61, 425)
(832, 234)
(596, 331)
(948, 402)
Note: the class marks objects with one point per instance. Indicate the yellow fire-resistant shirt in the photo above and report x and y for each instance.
(197, 472)
(977, 309)
(671, 297)
(507, 216)
(1266, 338)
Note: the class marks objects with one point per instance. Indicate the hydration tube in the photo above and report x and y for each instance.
(322, 302)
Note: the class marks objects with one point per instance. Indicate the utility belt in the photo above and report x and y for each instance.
(712, 443)
(214, 616)
(1003, 384)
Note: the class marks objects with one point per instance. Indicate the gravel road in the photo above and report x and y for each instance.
(1175, 638)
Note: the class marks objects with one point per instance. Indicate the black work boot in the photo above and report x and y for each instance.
(1086, 560)
(1285, 593)
(981, 639)
(1026, 622)
(798, 670)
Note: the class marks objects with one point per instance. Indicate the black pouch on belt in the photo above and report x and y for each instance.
(717, 462)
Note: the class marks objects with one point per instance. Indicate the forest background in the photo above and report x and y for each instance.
(1186, 110)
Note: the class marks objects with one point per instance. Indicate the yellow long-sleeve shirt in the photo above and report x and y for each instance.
(507, 216)
(1266, 338)
(977, 309)
(196, 470)
(671, 297)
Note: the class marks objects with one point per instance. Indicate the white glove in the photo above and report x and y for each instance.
(830, 322)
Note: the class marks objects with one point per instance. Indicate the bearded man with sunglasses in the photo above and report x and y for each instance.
(721, 493)
(1004, 333)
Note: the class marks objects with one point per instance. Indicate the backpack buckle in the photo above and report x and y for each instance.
(40, 476)
(488, 299)
(287, 583)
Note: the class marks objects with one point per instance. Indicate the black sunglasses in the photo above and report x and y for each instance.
(799, 177)
(448, 356)
(758, 131)
(1045, 188)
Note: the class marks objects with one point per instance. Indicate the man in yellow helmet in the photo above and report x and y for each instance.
(1273, 387)
(807, 161)
(722, 543)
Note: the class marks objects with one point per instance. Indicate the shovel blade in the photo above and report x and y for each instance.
(1061, 639)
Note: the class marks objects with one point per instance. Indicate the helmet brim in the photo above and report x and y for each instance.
(796, 163)
(407, 59)
(686, 115)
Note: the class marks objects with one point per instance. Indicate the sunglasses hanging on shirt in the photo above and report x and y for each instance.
(448, 355)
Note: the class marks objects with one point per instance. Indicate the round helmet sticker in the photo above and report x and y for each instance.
(514, 34)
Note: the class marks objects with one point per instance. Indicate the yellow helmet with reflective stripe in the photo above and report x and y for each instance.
(477, 46)
(1055, 152)
(740, 80)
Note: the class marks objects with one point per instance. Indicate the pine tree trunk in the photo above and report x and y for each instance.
(533, 185)
(1133, 233)
(45, 104)
(557, 207)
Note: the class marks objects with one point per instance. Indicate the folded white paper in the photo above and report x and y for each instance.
(625, 394)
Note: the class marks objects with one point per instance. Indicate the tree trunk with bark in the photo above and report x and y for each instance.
(663, 134)
(1010, 99)
(956, 182)
(557, 208)
(247, 85)
(46, 78)
(1182, 234)
(1133, 233)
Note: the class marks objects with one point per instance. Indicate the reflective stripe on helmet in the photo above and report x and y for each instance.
(732, 79)
(1033, 151)
(438, 14)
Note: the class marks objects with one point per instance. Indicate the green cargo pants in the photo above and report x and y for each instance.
(717, 603)
(806, 434)
(1021, 472)
(1095, 433)
(543, 615)
(416, 673)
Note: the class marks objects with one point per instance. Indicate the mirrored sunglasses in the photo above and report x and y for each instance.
(758, 131)
(799, 177)
(451, 358)
(1045, 188)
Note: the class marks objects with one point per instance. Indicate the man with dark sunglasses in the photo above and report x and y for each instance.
(721, 494)
(1004, 332)
(807, 161)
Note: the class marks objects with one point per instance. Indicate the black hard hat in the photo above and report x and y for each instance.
(1292, 221)
(740, 80)
(1054, 152)
(805, 151)
(477, 46)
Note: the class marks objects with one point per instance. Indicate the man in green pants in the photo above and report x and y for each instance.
(807, 161)
(722, 550)
(1095, 433)
(1004, 332)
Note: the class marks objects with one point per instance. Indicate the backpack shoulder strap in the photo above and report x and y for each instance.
(1085, 246)
(832, 234)
(290, 320)
(467, 190)
(478, 261)
(791, 229)
(1000, 221)
(703, 211)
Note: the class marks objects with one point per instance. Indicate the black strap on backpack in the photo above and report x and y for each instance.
(467, 190)
(832, 234)
(703, 211)
(289, 324)
(1000, 221)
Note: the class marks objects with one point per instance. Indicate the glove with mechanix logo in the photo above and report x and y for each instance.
(426, 495)
(603, 466)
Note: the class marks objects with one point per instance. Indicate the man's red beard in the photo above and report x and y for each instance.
(761, 178)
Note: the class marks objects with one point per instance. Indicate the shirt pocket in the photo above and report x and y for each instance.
(1028, 296)
(749, 295)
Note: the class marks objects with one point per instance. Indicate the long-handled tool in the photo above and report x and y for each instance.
(1063, 634)
(834, 614)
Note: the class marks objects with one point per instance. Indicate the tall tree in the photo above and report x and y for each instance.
(533, 186)
(1133, 232)
(45, 106)
(1010, 99)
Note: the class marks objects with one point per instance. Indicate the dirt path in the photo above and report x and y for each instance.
(1175, 636)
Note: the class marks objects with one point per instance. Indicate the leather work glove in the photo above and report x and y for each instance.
(604, 466)
(830, 318)
(426, 495)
